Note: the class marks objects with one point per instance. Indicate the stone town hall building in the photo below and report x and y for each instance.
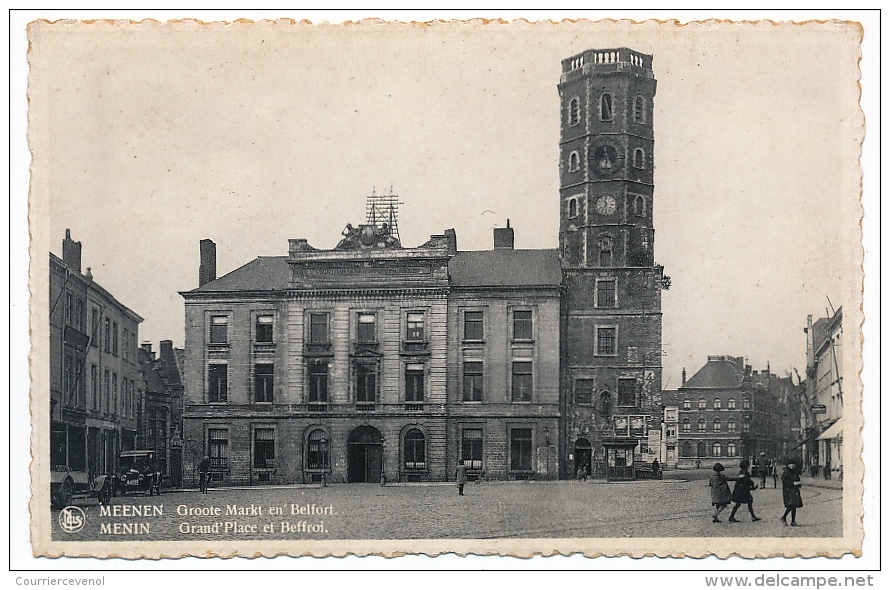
(373, 361)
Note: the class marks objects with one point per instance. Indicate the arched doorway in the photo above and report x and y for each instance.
(364, 455)
(583, 455)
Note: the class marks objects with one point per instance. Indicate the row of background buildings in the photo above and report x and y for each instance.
(109, 395)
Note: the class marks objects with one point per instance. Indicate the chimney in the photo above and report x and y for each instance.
(451, 240)
(146, 346)
(503, 237)
(684, 376)
(168, 361)
(71, 251)
(207, 270)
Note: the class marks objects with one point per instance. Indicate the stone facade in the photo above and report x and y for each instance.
(611, 383)
(349, 366)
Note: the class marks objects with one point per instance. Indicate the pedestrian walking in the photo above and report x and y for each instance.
(656, 469)
(791, 493)
(203, 473)
(774, 472)
(460, 477)
(741, 493)
(763, 470)
(720, 494)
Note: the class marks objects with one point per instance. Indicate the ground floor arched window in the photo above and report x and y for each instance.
(415, 449)
(317, 450)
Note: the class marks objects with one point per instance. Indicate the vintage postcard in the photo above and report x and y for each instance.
(473, 287)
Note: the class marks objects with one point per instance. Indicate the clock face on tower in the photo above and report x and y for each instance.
(606, 160)
(605, 205)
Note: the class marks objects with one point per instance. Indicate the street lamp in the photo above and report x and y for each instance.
(382, 460)
(323, 443)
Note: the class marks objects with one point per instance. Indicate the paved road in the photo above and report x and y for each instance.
(567, 509)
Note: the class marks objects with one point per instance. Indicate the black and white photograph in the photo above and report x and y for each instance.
(473, 287)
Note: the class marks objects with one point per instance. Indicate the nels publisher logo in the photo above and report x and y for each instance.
(72, 519)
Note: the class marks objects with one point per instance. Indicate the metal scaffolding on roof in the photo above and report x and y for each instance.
(384, 209)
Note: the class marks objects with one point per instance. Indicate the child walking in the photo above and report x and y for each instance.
(720, 494)
(791, 493)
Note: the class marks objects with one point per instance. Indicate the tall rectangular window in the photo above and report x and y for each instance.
(318, 383)
(522, 325)
(318, 328)
(219, 329)
(218, 383)
(80, 384)
(106, 390)
(605, 293)
(414, 383)
(605, 341)
(69, 378)
(264, 448)
(520, 449)
(584, 392)
(94, 387)
(471, 448)
(627, 392)
(367, 328)
(522, 381)
(114, 339)
(473, 381)
(69, 308)
(415, 331)
(78, 315)
(264, 381)
(264, 328)
(365, 383)
(218, 448)
(114, 393)
(95, 330)
(126, 344)
(473, 326)
(107, 334)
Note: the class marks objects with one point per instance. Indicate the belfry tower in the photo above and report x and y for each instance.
(612, 312)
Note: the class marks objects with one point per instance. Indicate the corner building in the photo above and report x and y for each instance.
(372, 361)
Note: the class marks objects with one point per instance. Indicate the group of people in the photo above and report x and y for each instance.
(721, 496)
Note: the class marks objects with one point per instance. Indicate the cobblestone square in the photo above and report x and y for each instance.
(673, 507)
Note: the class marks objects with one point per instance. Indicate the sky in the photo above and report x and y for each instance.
(148, 139)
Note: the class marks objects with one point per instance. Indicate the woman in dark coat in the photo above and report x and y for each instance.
(791, 493)
(741, 494)
(720, 494)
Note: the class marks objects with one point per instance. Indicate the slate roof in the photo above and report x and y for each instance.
(484, 268)
(265, 273)
(505, 268)
(150, 374)
(716, 374)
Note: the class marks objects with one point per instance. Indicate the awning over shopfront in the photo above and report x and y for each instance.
(836, 430)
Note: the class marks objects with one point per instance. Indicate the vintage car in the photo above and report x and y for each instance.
(138, 473)
(67, 484)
